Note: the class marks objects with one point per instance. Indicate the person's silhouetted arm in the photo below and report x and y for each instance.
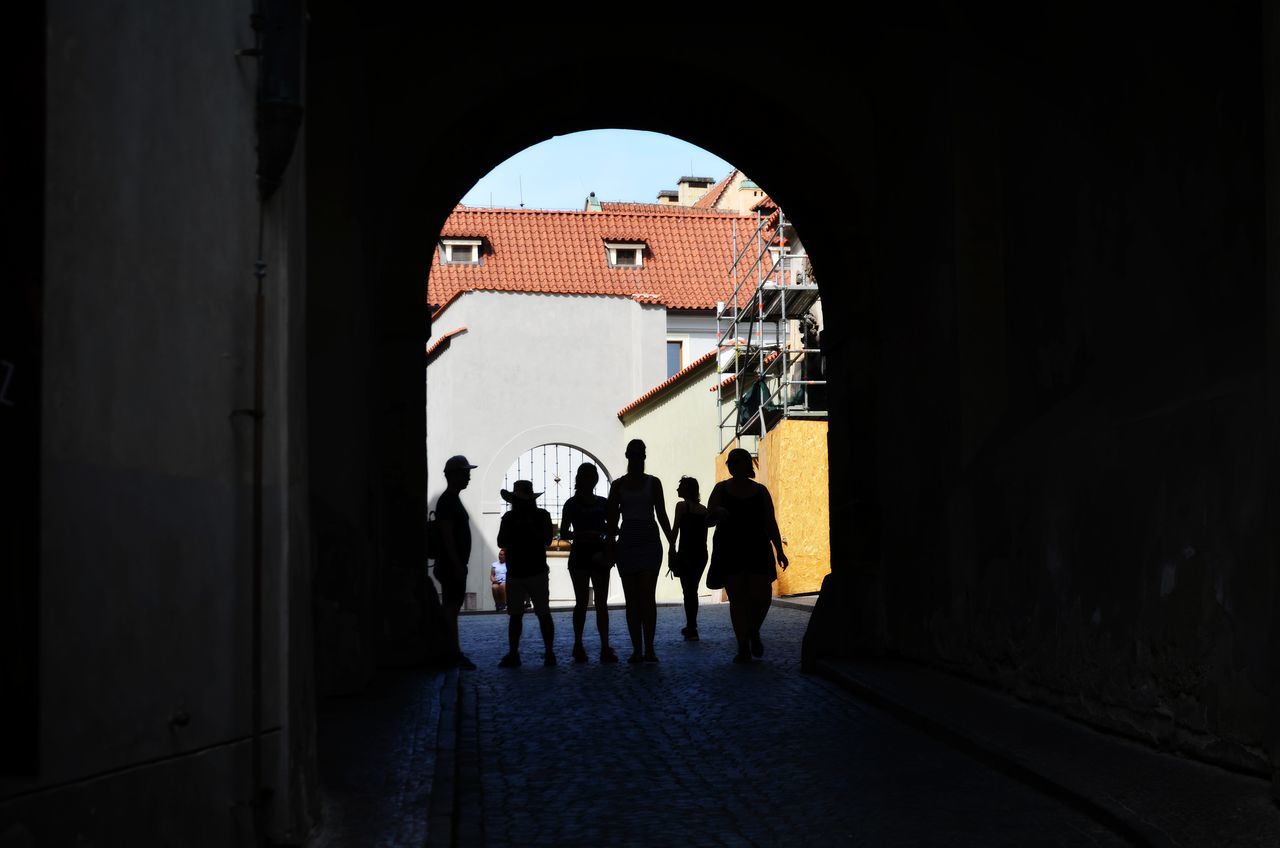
(675, 524)
(504, 534)
(660, 507)
(714, 511)
(566, 521)
(611, 523)
(548, 532)
(775, 535)
(675, 537)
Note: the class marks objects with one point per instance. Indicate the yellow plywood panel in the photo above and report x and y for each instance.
(793, 465)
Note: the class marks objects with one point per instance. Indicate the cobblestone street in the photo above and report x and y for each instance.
(697, 751)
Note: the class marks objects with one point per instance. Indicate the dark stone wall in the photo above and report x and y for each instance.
(1043, 237)
(1071, 377)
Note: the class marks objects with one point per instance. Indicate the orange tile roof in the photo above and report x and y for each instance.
(441, 344)
(661, 208)
(685, 264)
(713, 195)
(679, 377)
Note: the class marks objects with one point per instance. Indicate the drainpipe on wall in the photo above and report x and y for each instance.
(277, 27)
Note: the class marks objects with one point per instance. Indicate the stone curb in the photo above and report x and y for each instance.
(441, 819)
(802, 604)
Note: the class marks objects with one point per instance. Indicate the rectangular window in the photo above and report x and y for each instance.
(675, 357)
(460, 251)
(625, 254)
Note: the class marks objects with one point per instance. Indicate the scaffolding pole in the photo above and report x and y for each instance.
(767, 292)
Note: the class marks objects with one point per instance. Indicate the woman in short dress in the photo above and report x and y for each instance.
(583, 522)
(636, 498)
(689, 528)
(746, 539)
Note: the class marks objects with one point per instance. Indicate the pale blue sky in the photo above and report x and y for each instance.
(615, 164)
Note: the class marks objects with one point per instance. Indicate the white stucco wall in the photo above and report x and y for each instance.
(534, 369)
(679, 432)
(698, 332)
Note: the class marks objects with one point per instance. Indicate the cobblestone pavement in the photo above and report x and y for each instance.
(698, 751)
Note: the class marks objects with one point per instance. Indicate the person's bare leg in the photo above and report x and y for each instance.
(500, 595)
(739, 614)
(515, 626)
(581, 594)
(649, 620)
(689, 584)
(548, 627)
(632, 591)
(600, 580)
(451, 628)
(761, 588)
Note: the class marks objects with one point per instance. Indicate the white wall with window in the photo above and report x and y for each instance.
(694, 331)
(523, 376)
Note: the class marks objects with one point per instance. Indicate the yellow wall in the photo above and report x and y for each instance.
(680, 436)
(793, 465)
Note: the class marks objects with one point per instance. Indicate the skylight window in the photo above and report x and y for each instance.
(460, 251)
(625, 254)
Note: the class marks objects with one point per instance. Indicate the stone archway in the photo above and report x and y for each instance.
(410, 176)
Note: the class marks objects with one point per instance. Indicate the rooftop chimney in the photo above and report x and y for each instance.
(691, 188)
(592, 204)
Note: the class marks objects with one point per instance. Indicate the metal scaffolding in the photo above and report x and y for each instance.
(763, 374)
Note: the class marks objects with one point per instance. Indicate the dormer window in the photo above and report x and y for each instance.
(458, 251)
(625, 254)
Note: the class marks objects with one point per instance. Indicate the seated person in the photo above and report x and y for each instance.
(498, 580)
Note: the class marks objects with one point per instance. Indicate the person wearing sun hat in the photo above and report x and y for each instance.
(525, 533)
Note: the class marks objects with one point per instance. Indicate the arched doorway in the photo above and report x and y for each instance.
(376, 306)
(654, 315)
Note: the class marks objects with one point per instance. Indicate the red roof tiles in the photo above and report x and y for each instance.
(685, 264)
(713, 195)
(680, 376)
(660, 208)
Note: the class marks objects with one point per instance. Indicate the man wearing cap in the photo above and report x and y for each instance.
(455, 544)
(524, 534)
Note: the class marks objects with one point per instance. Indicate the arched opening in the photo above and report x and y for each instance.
(1054, 401)
(679, 310)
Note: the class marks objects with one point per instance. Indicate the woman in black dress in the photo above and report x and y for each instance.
(583, 522)
(636, 499)
(746, 539)
(689, 531)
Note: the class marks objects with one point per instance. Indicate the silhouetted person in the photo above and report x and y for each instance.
(455, 544)
(498, 580)
(689, 531)
(583, 521)
(636, 497)
(746, 527)
(525, 533)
